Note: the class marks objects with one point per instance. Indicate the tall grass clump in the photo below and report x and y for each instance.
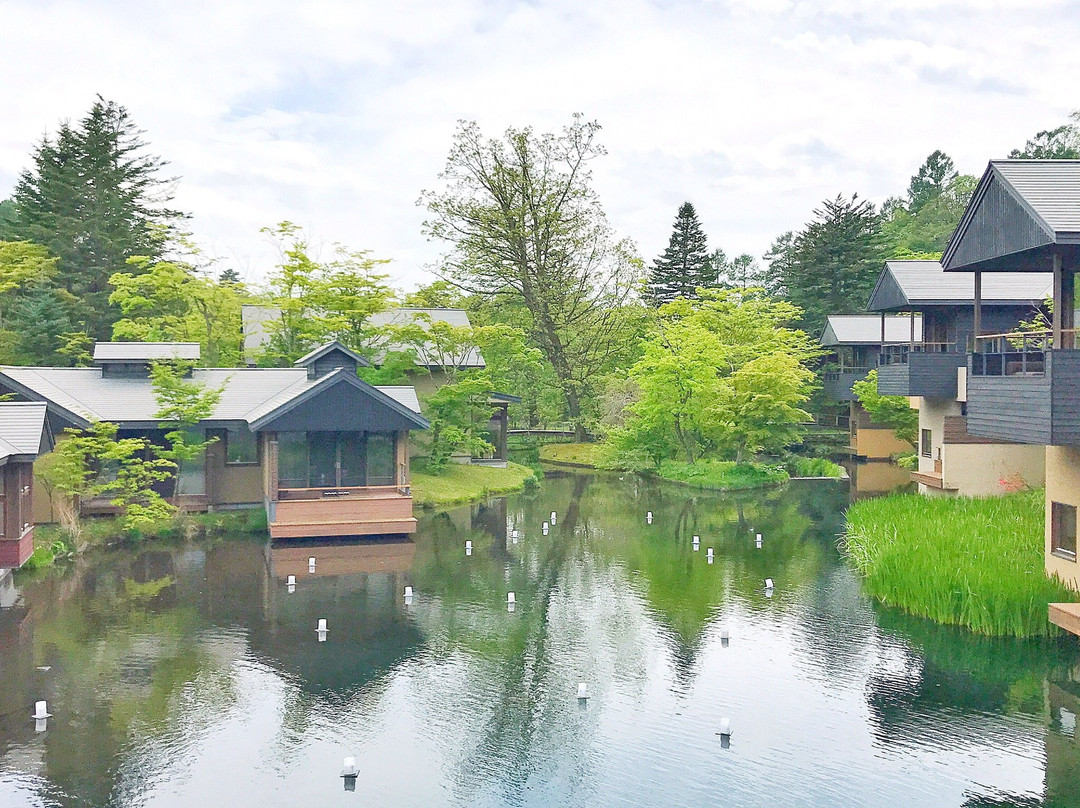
(970, 562)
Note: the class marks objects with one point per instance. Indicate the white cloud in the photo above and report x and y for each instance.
(337, 114)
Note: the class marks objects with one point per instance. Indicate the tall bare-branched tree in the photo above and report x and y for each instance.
(525, 224)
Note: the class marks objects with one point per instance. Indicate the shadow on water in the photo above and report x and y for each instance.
(181, 674)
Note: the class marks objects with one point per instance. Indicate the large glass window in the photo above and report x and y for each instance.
(1063, 530)
(292, 460)
(353, 466)
(927, 441)
(241, 446)
(380, 459)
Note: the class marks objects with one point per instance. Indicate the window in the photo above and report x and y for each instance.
(3, 500)
(241, 446)
(335, 459)
(926, 443)
(1063, 530)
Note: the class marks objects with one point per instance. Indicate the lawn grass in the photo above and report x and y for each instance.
(590, 455)
(976, 563)
(459, 483)
(722, 475)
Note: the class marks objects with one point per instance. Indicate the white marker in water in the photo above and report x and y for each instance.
(582, 691)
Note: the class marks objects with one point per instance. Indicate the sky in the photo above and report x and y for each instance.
(337, 115)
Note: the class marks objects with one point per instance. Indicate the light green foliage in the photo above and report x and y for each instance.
(893, 412)
(439, 294)
(395, 368)
(322, 300)
(166, 301)
(591, 455)
(444, 346)
(920, 225)
(970, 562)
(514, 365)
(95, 463)
(722, 475)
(798, 466)
(182, 405)
(526, 228)
(725, 376)
(459, 483)
(22, 266)
(459, 413)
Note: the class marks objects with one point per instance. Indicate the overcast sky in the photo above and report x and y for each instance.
(337, 114)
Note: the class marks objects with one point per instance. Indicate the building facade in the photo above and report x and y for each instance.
(24, 435)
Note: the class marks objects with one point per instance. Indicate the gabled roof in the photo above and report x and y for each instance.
(328, 348)
(266, 415)
(82, 395)
(1021, 209)
(924, 284)
(146, 351)
(23, 430)
(865, 329)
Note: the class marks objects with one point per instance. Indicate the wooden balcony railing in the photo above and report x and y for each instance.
(1018, 353)
(898, 354)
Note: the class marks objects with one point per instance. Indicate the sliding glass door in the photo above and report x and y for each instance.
(335, 459)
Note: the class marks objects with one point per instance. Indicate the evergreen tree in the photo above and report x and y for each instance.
(94, 198)
(7, 220)
(835, 260)
(930, 181)
(1060, 143)
(686, 263)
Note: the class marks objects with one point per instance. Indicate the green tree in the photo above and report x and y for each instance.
(930, 180)
(94, 197)
(834, 261)
(892, 412)
(8, 216)
(459, 414)
(726, 376)
(170, 301)
(438, 294)
(96, 463)
(936, 199)
(686, 264)
(742, 272)
(321, 301)
(525, 226)
(182, 405)
(1060, 143)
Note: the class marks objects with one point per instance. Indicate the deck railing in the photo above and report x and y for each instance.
(1017, 353)
(898, 354)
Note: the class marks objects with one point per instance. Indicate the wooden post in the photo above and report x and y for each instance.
(1068, 312)
(978, 309)
(911, 343)
(1059, 301)
(883, 332)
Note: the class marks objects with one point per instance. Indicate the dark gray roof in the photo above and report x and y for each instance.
(83, 395)
(330, 347)
(865, 329)
(919, 284)
(1021, 212)
(1050, 188)
(145, 351)
(22, 429)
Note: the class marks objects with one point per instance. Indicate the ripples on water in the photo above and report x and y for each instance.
(190, 676)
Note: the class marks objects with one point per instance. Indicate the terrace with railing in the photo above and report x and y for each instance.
(1018, 353)
(924, 368)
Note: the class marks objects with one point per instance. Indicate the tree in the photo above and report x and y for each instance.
(930, 180)
(834, 262)
(727, 375)
(182, 405)
(322, 301)
(525, 225)
(686, 264)
(95, 463)
(94, 197)
(8, 216)
(742, 272)
(438, 294)
(459, 413)
(892, 412)
(22, 265)
(1060, 143)
(170, 301)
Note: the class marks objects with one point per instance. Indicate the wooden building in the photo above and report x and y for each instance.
(1024, 217)
(24, 434)
(324, 453)
(932, 373)
(855, 342)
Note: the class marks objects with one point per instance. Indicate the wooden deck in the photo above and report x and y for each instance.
(932, 479)
(1066, 616)
(311, 513)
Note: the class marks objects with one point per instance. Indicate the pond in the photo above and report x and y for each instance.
(191, 675)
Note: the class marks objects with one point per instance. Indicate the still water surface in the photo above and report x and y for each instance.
(189, 675)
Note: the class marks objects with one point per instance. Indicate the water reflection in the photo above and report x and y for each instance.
(191, 674)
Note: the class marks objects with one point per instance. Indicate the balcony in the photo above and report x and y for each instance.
(923, 369)
(1022, 389)
(836, 384)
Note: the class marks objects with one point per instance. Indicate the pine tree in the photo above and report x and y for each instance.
(95, 198)
(686, 263)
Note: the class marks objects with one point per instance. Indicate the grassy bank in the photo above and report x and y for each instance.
(722, 475)
(589, 455)
(970, 562)
(460, 483)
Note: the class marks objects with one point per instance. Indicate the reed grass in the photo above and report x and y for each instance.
(976, 563)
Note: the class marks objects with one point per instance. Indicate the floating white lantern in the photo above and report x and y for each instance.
(697, 539)
(290, 588)
(768, 583)
(757, 543)
(322, 624)
(545, 528)
(311, 564)
(697, 543)
(648, 517)
(554, 516)
(758, 538)
(291, 580)
(349, 769)
(725, 638)
(725, 727)
(408, 595)
(468, 548)
(582, 691)
(510, 598)
(41, 711)
(709, 555)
